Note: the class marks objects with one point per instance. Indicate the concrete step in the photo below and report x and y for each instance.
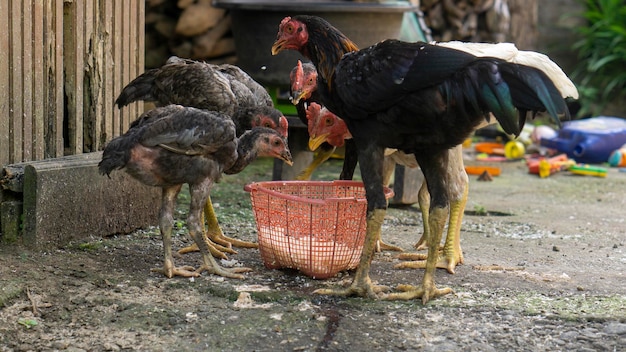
(66, 199)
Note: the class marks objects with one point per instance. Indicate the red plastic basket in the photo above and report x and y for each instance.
(316, 227)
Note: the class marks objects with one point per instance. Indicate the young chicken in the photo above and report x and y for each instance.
(173, 145)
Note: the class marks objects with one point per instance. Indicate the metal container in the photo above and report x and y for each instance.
(255, 25)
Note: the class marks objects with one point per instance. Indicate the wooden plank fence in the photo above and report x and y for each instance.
(62, 63)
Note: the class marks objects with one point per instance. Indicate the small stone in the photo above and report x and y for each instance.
(615, 329)
(485, 176)
(558, 341)
(569, 335)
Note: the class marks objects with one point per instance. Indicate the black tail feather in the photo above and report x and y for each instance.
(138, 89)
(499, 87)
(532, 90)
(483, 90)
(117, 153)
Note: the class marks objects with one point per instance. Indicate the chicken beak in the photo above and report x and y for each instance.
(315, 142)
(286, 157)
(298, 96)
(278, 46)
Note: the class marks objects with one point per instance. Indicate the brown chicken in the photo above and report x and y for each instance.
(224, 88)
(302, 78)
(303, 92)
(422, 99)
(173, 145)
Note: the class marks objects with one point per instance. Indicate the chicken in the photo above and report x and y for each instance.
(303, 92)
(173, 145)
(326, 126)
(419, 98)
(302, 77)
(224, 88)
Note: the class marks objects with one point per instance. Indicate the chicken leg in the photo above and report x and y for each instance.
(200, 197)
(218, 243)
(458, 188)
(362, 284)
(195, 231)
(323, 153)
(389, 165)
(433, 166)
(427, 290)
(166, 221)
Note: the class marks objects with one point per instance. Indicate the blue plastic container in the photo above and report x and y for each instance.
(590, 140)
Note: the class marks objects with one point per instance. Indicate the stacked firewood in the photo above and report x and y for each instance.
(195, 29)
(187, 28)
(467, 20)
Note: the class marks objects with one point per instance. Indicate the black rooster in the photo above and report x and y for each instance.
(419, 98)
(169, 146)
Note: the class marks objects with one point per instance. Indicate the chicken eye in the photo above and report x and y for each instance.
(268, 125)
(289, 28)
(329, 121)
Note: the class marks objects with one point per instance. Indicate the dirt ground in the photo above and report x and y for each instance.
(557, 244)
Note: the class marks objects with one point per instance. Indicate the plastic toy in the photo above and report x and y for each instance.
(545, 167)
(618, 157)
(588, 170)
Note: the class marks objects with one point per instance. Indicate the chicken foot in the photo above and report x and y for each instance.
(209, 263)
(362, 284)
(427, 290)
(450, 255)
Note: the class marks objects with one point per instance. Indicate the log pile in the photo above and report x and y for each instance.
(195, 29)
(467, 20)
(187, 28)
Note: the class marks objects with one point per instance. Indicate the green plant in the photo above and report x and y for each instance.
(601, 49)
(27, 323)
(480, 210)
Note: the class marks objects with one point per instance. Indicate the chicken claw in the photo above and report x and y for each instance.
(411, 292)
(170, 270)
(382, 246)
(418, 261)
(220, 271)
(218, 251)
